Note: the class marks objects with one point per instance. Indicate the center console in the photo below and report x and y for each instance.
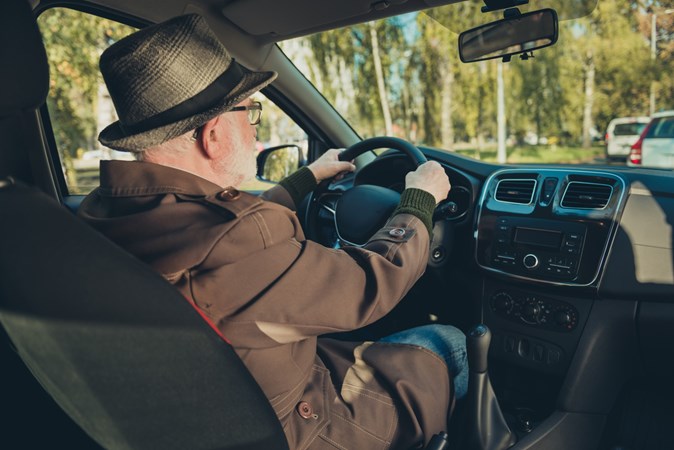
(542, 238)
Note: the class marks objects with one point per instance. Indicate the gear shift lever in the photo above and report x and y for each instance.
(488, 428)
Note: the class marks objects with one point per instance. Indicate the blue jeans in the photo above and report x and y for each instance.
(447, 342)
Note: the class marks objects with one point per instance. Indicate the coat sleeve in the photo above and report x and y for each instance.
(299, 288)
(291, 190)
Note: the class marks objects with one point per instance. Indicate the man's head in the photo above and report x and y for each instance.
(171, 78)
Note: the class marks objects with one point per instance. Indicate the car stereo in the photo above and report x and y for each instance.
(536, 247)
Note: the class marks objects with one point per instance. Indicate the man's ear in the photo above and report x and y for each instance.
(209, 139)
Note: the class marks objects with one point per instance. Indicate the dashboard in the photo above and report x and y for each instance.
(553, 256)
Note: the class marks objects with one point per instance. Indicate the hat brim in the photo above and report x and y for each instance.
(113, 135)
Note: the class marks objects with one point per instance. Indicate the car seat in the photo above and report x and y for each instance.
(115, 345)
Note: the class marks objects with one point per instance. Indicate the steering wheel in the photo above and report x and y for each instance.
(363, 209)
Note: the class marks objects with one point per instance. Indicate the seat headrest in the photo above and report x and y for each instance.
(24, 71)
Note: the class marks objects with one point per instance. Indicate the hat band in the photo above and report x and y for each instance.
(201, 102)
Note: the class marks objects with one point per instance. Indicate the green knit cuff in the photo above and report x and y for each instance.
(418, 203)
(299, 184)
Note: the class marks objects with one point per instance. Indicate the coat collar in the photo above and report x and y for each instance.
(134, 178)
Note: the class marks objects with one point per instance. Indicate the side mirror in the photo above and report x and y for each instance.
(519, 34)
(276, 163)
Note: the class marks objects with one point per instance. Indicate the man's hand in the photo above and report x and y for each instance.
(430, 177)
(329, 165)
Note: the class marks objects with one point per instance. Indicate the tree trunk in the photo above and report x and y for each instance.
(589, 99)
(501, 119)
(388, 123)
(447, 127)
(538, 122)
(479, 126)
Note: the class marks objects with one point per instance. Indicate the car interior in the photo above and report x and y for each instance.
(569, 267)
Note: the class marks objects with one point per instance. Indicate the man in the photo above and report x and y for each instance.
(185, 112)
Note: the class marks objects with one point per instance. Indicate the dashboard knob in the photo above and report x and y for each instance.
(530, 261)
(530, 312)
(562, 317)
(502, 302)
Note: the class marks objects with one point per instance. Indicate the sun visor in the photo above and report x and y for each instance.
(261, 17)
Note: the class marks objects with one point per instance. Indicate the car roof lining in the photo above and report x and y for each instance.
(310, 16)
(261, 19)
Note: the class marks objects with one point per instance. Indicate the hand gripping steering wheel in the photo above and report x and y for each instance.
(363, 209)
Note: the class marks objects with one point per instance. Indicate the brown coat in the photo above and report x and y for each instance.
(244, 261)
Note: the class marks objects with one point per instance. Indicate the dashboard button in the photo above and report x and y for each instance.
(553, 356)
(509, 344)
(524, 348)
(539, 351)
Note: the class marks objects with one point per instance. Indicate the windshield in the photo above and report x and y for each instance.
(402, 77)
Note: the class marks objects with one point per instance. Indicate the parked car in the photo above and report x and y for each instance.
(569, 264)
(621, 134)
(655, 146)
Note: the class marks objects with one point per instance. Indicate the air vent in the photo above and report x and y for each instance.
(586, 195)
(515, 191)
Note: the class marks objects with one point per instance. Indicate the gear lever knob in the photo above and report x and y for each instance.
(477, 343)
(488, 429)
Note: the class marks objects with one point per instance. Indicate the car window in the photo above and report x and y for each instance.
(661, 128)
(628, 129)
(80, 107)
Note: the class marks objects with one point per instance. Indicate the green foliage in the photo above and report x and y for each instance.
(545, 96)
(541, 154)
(623, 64)
(74, 42)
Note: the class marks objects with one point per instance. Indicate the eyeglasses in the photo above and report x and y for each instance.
(254, 116)
(254, 112)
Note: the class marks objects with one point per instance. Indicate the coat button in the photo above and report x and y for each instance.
(228, 194)
(305, 410)
(397, 232)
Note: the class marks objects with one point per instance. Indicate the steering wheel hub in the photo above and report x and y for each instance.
(362, 211)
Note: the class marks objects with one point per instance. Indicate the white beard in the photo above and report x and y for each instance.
(237, 167)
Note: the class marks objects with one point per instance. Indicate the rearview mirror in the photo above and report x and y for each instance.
(520, 34)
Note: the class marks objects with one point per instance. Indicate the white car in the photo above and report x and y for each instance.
(621, 134)
(655, 147)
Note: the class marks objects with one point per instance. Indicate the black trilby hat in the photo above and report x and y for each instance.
(170, 78)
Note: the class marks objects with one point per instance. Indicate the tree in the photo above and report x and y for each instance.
(74, 42)
(381, 83)
(441, 75)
